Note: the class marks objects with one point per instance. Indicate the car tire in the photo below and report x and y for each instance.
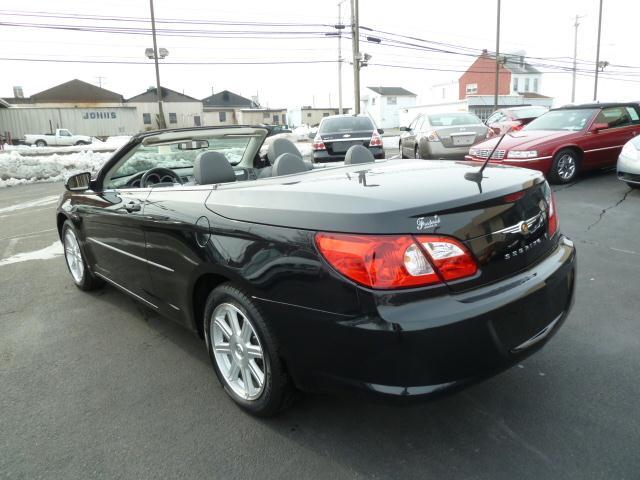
(81, 142)
(565, 167)
(75, 260)
(41, 143)
(239, 350)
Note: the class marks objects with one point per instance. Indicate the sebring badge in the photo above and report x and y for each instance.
(427, 222)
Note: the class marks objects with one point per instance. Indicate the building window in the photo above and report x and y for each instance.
(276, 119)
(472, 88)
(392, 100)
(196, 120)
(222, 116)
(515, 84)
(265, 115)
(308, 114)
(535, 85)
(325, 114)
(146, 118)
(173, 118)
(526, 84)
(373, 101)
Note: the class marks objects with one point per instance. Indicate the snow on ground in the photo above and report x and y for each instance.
(16, 169)
(391, 142)
(111, 143)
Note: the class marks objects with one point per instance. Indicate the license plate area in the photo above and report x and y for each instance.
(462, 140)
(342, 147)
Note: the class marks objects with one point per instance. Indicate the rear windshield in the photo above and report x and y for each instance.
(527, 112)
(346, 124)
(567, 119)
(451, 119)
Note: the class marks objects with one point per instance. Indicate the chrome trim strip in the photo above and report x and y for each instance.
(347, 139)
(517, 228)
(538, 336)
(116, 284)
(105, 245)
(526, 159)
(603, 148)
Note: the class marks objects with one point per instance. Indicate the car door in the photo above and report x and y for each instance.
(408, 138)
(604, 145)
(113, 227)
(64, 137)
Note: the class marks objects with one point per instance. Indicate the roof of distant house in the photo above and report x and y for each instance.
(227, 99)
(396, 91)
(533, 95)
(168, 95)
(517, 64)
(74, 91)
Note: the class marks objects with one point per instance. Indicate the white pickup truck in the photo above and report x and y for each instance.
(61, 137)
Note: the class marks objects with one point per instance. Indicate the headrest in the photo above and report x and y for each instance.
(287, 163)
(212, 167)
(279, 146)
(358, 154)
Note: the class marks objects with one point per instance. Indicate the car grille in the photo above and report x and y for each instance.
(497, 155)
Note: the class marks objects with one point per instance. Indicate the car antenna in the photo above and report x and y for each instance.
(477, 176)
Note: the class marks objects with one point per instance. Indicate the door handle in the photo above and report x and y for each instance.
(132, 206)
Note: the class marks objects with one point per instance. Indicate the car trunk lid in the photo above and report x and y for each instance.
(408, 197)
(339, 143)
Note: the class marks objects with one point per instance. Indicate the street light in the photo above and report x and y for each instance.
(162, 53)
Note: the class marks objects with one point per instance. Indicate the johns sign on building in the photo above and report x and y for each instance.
(98, 115)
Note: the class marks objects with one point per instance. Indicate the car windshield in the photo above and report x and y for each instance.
(173, 157)
(453, 119)
(566, 119)
(345, 124)
(527, 112)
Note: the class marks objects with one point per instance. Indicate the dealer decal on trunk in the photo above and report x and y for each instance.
(427, 222)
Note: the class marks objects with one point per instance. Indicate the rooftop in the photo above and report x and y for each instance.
(396, 91)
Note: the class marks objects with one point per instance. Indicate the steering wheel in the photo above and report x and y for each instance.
(158, 175)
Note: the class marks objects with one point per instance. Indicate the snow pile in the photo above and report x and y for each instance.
(16, 169)
(302, 132)
(391, 142)
(111, 143)
(303, 145)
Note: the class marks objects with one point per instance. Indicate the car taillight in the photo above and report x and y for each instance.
(554, 221)
(318, 144)
(517, 127)
(432, 136)
(376, 140)
(396, 261)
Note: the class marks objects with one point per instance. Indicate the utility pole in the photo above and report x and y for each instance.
(575, 58)
(355, 43)
(100, 80)
(495, 96)
(595, 85)
(161, 121)
(340, 27)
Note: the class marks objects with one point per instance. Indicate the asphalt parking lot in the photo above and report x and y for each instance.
(96, 386)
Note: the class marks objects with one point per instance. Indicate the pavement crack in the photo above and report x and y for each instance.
(605, 210)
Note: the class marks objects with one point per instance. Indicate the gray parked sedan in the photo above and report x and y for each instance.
(629, 163)
(441, 135)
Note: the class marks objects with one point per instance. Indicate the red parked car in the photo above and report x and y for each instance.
(565, 141)
(512, 119)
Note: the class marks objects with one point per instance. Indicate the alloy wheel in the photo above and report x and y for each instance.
(566, 167)
(73, 256)
(237, 351)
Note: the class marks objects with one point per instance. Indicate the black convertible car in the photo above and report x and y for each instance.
(396, 277)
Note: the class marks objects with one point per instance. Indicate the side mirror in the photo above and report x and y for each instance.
(381, 131)
(79, 182)
(404, 129)
(596, 127)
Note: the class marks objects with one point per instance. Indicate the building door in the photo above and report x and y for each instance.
(196, 120)
(276, 119)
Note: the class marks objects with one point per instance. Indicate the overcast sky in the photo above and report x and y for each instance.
(543, 28)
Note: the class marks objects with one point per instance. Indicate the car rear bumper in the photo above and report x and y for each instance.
(410, 346)
(435, 150)
(320, 156)
(542, 164)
